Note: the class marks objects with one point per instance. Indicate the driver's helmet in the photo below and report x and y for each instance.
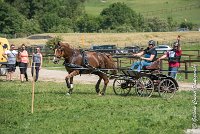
(152, 42)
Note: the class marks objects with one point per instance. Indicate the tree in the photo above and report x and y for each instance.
(31, 27)
(50, 43)
(71, 9)
(156, 24)
(171, 24)
(49, 21)
(188, 25)
(118, 14)
(87, 23)
(11, 21)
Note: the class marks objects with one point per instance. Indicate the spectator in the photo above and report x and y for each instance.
(11, 58)
(37, 60)
(174, 57)
(23, 65)
(150, 55)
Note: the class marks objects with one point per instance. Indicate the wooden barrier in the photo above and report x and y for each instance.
(186, 63)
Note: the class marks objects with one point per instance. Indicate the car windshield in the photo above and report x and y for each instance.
(162, 47)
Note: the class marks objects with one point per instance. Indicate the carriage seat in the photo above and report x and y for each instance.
(154, 66)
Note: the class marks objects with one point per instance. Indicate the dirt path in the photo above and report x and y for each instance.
(59, 76)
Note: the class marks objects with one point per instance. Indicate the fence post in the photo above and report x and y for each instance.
(48, 59)
(186, 69)
(120, 63)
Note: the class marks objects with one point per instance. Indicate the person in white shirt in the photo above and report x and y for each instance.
(11, 61)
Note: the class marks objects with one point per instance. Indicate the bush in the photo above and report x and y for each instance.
(51, 43)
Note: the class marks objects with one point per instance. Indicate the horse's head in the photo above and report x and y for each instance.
(58, 53)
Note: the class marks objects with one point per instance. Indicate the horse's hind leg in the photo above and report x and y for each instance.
(67, 83)
(97, 85)
(105, 85)
(105, 78)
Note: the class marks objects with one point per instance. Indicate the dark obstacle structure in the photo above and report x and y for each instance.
(84, 62)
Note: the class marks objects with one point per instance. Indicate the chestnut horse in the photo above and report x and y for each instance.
(96, 63)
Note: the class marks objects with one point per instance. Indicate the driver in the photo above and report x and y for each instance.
(150, 55)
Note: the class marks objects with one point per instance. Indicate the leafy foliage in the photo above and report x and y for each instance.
(51, 43)
(188, 25)
(63, 16)
(119, 14)
(156, 24)
(11, 21)
(87, 23)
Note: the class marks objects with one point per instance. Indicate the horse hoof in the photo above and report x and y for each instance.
(68, 94)
(101, 94)
(97, 90)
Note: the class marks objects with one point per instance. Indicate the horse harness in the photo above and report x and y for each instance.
(85, 64)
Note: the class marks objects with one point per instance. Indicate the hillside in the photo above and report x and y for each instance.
(180, 10)
(120, 39)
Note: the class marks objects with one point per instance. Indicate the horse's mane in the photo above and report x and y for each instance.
(64, 44)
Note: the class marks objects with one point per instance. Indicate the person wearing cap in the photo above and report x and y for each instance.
(36, 62)
(150, 55)
(174, 57)
(11, 58)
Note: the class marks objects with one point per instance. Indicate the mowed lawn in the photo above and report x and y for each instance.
(86, 112)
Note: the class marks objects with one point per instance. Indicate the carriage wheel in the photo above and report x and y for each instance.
(122, 86)
(167, 88)
(144, 87)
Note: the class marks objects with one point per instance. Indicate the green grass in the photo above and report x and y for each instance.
(94, 7)
(86, 112)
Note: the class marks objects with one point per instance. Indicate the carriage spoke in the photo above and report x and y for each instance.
(144, 87)
(121, 86)
(167, 88)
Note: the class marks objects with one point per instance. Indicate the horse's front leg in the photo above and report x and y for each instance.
(70, 84)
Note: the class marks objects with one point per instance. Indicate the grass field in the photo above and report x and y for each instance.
(86, 112)
(161, 8)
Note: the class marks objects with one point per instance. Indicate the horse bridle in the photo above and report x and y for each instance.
(60, 53)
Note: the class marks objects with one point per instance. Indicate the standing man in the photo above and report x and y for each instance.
(11, 58)
(150, 55)
(174, 57)
(37, 62)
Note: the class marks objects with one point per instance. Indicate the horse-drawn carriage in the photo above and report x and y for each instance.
(145, 82)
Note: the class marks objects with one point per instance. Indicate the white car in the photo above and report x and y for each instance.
(163, 48)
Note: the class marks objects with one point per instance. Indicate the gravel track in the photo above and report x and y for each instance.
(59, 76)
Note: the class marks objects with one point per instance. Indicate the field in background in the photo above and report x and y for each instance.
(85, 40)
(178, 9)
(86, 112)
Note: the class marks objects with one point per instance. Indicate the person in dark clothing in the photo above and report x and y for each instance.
(150, 55)
(36, 62)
